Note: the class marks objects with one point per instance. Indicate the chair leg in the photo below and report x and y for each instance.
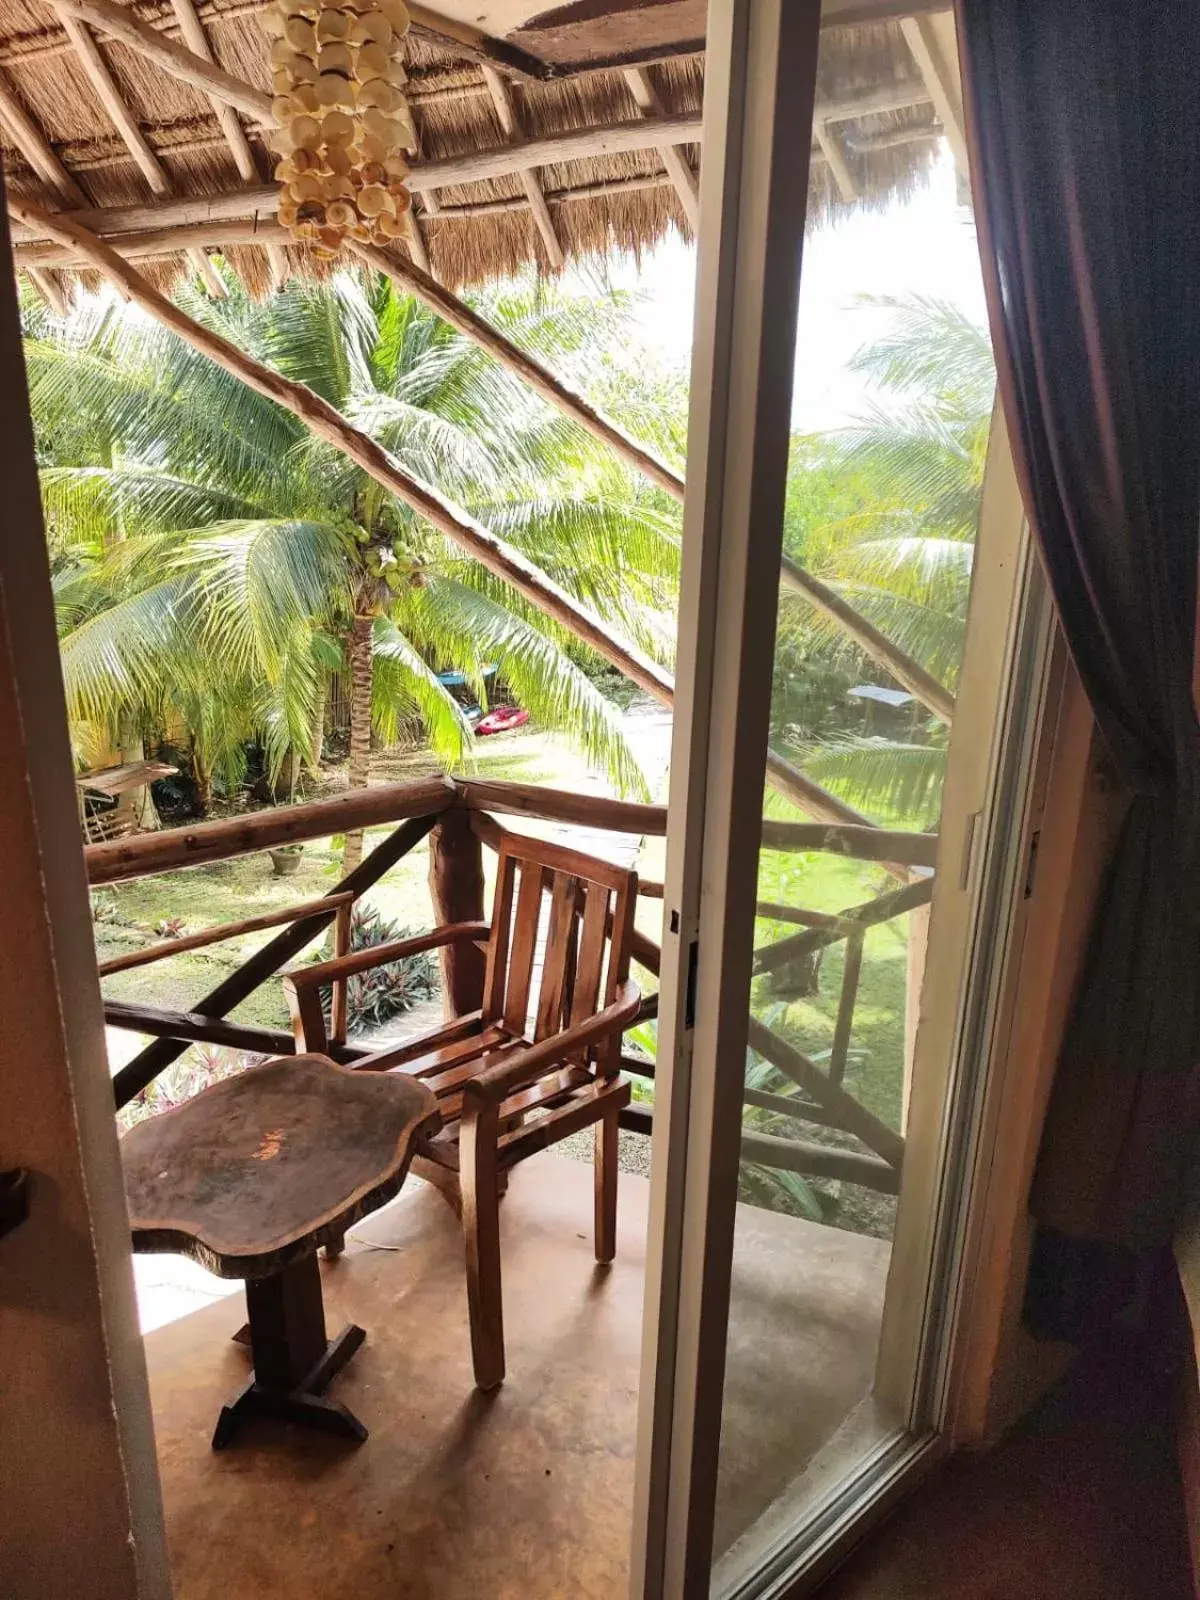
(481, 1233)
(335, 1247)
(607, 1138)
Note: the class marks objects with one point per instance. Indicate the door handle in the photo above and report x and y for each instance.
(14, 1199)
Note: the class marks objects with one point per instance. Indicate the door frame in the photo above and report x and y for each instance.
(761, 61)
(75, 1419)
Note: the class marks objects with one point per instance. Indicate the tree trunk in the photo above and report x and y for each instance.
(317, 737)
(202, 778)
(359, 657)
(138, 801)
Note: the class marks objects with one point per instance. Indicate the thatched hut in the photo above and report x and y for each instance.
(550, 138)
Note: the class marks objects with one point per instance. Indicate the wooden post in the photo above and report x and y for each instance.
(456, 889)
(338, 1014)
(845, 1017)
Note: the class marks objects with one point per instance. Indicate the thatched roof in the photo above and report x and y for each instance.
(564, 71)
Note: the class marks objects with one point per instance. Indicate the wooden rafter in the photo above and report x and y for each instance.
(673, 159)
(120, 23)
(194, 36)
(464, 320)
(414, 234)
(262, 200)
(48, 286)
(827, 139)
(156, 242)
(506, 114)
(931, 40)
(152, 169)
(35, 147)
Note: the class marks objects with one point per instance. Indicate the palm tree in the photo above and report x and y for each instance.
(886, 512)
(215, 563)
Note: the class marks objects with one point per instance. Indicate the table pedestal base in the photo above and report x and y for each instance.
(294, 1363)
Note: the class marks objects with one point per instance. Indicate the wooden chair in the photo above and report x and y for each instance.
(526, 1069)
(250, 1177)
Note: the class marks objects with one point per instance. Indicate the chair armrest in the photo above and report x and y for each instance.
(496, 1083)
(380, 954)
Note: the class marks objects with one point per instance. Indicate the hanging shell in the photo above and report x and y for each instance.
(342, 122)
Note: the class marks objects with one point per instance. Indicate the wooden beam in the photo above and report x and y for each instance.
(148, 853)
(479, 46)
(263, 200)
(846, 839)
(263, 964)
(417, 248)
(616, 138)
(933, 695)
(789, 1155)
(802, 1070)
(786, 1105)
(868, 915)
(820, 1161)
(674, 161)
(836, 161)
(506, 113)
(558, 197)
(35, 147)
(192, 32)
(119, 22)
(51, 291)
(109, 221)
(156, 242)
(931, 40)
(790, 782)
(195, 1026)
(96, 69)
(460, 316)
(166, 948)
(561, 805)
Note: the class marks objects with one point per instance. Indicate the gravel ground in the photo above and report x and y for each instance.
(634, 1152)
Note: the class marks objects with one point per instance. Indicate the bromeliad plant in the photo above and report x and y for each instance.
(215, 564)
(376, 996)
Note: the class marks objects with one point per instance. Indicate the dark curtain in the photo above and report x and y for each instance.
(1085, 123)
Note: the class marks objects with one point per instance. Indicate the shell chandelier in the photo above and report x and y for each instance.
(344, 123)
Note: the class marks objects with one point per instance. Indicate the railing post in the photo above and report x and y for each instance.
(338, 1004)
(845, 1016)
(456, 889)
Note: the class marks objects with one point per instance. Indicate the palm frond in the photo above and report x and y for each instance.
(470, 630)
(886, 778)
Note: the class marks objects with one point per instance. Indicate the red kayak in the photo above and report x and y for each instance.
(502, 720)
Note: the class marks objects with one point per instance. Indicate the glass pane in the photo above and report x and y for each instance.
(890, 423)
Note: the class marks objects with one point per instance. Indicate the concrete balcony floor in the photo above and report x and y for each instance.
(527, 1493)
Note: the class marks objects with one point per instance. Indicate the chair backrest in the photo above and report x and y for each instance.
(582, 943)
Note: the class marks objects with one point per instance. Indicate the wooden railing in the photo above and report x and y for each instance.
(459, 819)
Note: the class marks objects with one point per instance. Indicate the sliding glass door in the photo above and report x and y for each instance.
(863, 654)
